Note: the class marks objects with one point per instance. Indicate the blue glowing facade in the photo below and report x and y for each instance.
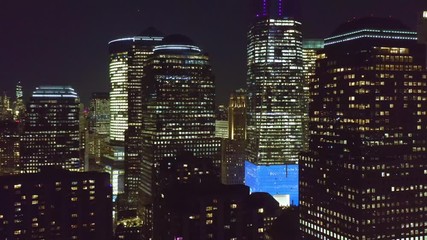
(281, 181)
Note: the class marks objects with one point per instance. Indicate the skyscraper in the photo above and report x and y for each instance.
(19, 105)
(99, 113)
(363, 176)
(276, 95)
(99, 127)
(127, 58)
(51, 131)
(179, 105)
(310, 48)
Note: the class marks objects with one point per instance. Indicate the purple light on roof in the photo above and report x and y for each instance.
(280, 8)
(265, 8)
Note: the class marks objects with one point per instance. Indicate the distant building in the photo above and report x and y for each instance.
(84, 135)
(363, 176)
(221, 129)
(56, 204)
(221, 123)
(99, 128)
(5, 107)
(51, 132)
(99, 113)
(237, 115)
(233, 154)
(19, 105)
(9, 147)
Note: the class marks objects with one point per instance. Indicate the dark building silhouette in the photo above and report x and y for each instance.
(190, 203)
(363, 176)
(286, 226)
(51, 132)
(56, 204)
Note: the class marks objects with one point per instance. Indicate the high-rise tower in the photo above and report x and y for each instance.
(51, 131)
(364, 174)
(19, 105)
(276, 102)
(99, 113)
(179, 105)
(127, 59)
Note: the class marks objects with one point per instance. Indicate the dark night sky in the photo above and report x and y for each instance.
(65, 42)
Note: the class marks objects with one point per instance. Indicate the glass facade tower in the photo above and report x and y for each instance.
(51, 131)
(275, 91)
(179, 105)
(276, 95)
(363, 176)
(127, 59)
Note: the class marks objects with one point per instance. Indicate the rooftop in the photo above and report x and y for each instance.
(370, 23)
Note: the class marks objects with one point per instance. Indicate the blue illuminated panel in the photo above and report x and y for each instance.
(277, 180)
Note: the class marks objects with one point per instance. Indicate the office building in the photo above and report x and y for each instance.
(5, 108)
(65, 205)
(178, 106)
(99, 113)
(363, 176)
(127, 58)
(237, 117)
(233, 149)
(221, 123)
(51, 131)
(19, 105)
(99, 128)
(309, 51)
(221, 129)
(9, 147)
(276, 97)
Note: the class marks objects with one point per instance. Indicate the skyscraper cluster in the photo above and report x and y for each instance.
(333, 130)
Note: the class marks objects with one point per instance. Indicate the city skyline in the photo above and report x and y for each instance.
(238, 120)
(74, 35)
